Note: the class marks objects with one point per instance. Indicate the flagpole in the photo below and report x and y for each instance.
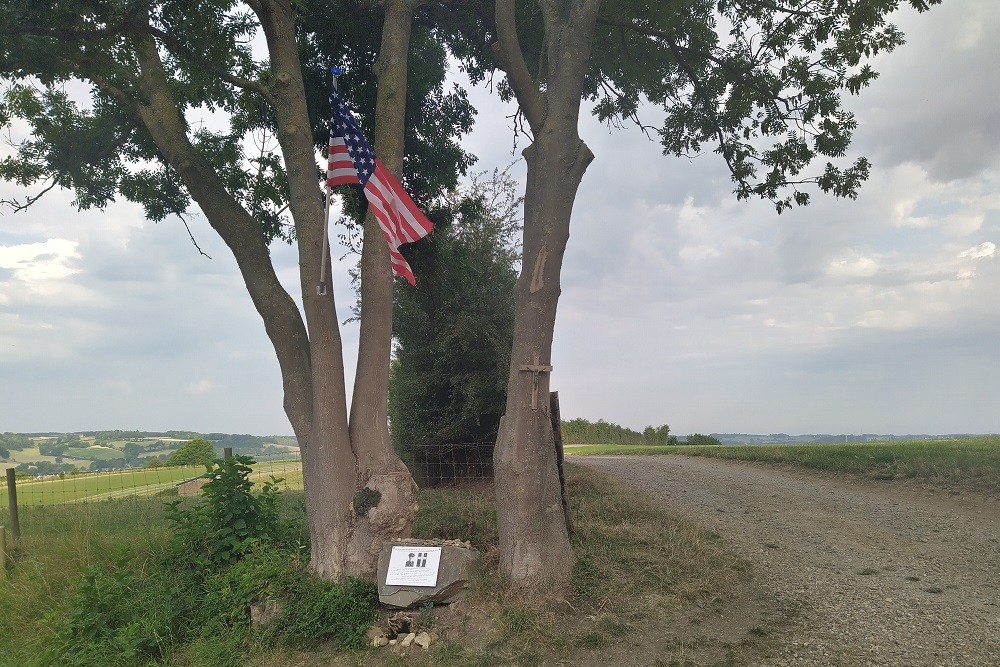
(321, 287)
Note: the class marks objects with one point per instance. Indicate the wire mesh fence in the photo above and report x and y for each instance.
(132, 492)
(437, 465)
(67, 501)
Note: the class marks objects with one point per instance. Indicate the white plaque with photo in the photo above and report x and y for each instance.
(413, 566)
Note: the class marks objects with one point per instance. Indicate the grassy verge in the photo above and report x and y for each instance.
(605, 450)
(970, 463)
(637, 569)
(58, 544)
(635, 566)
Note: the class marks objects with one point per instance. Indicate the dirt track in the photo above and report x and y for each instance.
(872, 573)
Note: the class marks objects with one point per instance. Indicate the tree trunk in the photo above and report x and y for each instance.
(386, 506)
(321, 427)
(534, 539)
(357, 494)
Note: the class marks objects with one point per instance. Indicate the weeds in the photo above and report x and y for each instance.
(182, 597)
(132, 597)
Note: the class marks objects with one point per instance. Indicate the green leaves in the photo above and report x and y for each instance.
(780, 72)
(75, 81)
(229, 520)
(197, 451)
(448, 381)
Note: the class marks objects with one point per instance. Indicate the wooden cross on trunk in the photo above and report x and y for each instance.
(535, 369)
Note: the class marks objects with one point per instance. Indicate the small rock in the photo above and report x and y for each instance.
(423, 640)
(262, 613)
(408, 639)
(380, 641)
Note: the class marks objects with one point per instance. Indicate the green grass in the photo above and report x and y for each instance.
(604, 450)
(29, 455)
(133, 482)
(57, 545)
(99, 485)
(971, 463)
(634, 560)
(94, 453)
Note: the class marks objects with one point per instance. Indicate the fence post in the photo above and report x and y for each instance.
(560, 453)
(15, 525)
(227, 453)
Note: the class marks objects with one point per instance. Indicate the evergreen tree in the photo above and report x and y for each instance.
(453, 335)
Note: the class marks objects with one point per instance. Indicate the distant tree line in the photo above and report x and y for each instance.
(14, 441)
(133, 448)
(35, 468)
(700, 439)
(584, 432)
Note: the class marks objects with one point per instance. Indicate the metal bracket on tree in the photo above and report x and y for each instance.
(535, 369)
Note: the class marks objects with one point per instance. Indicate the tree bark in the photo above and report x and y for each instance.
(390, 506)
(534, 541)
(327, 457)
(358, 492)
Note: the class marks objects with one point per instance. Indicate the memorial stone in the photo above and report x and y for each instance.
(456, 564)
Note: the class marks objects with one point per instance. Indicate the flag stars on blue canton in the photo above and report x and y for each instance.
(359, 150)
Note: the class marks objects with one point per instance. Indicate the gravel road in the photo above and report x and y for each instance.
(878, 573)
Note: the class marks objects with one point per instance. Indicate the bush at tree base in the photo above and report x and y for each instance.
(189, 599)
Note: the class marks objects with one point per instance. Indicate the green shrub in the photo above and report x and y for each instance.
(229, 520)
(121, 616)
(187, 601)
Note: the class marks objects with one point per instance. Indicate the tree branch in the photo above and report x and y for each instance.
(508, 52)
(777, 8)
(176, 46)
(29, 200)
(699, 90)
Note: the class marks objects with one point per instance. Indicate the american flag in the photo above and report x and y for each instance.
(352, 162)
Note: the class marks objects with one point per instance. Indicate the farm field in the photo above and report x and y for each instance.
(133, 482)
(972, 462)
(28, 455)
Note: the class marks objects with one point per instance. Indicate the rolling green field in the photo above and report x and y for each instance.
(972, 462)
(134, 482)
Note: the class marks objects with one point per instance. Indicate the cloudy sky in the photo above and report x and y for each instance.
(680, 305)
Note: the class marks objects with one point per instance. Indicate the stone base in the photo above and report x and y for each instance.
(456, 573)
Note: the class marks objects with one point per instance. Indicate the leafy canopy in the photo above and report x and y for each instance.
(758, 82)
(71, 69)
(193, 452)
